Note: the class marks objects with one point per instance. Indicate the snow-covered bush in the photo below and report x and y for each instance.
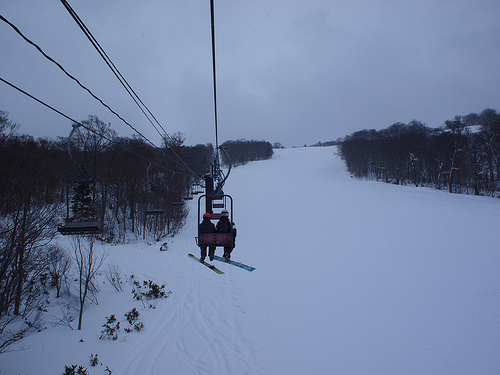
(148, 292)
(132, 317)
(111, 328)
(75, 370)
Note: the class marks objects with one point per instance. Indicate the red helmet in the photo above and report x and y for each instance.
(206, 215)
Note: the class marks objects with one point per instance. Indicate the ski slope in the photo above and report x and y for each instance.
(352, 277)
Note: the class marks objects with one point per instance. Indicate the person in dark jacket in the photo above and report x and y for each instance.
(206, 226)
(225, 226)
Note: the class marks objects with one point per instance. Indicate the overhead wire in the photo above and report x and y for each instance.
(111, 65)
(212, 23)
(78, 82)
(123, 81)
(218, 171)
(73, 78)
(90, 92)
(87, 127)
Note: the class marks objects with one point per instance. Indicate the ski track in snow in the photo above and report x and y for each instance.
(195, 332)
(352, 277)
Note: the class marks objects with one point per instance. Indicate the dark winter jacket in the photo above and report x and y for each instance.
(225, 226)
(207, 226)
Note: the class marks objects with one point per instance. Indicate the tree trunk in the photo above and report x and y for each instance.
(21, 247)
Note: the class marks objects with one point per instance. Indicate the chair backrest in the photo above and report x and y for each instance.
(82, 227)
(215, 239)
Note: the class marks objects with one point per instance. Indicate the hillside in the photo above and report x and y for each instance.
(352, 277)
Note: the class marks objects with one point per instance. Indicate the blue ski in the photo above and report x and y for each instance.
(237, 264)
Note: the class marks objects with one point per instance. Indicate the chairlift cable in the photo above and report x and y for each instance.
(123, 81)
(223, 181)
(217, 169)
(89, 91)
(86, 127)
(73, 78)
(212, 19)
(110, 63)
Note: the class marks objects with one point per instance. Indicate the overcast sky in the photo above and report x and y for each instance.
(289, 71)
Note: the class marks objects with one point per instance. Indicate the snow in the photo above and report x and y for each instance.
(352, 277)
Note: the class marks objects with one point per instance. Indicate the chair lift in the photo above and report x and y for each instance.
(197, 189)
(212, 193)
(153, 216)
(188, 197)
(179, 201)
(152, 188)
(80, 226)
(215, 239)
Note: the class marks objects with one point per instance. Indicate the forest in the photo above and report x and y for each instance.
(136, 189)
(462, 156)
(241, 152)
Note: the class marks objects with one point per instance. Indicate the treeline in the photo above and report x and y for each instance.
(241, 152)
(462, 156)
(127, 177)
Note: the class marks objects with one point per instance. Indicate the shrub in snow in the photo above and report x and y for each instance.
(113, 275)
(148, 291)
(132, 317)
(94, 361)
(111, 328)
(73, 370)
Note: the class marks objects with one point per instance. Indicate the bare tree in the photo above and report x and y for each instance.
(58, 264)
(6, 125)
(114, 277)
(88, 264)
(92, 141)
(458, 141)
(174, 141)
(24, 234)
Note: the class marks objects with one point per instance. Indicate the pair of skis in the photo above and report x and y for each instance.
(220, 259)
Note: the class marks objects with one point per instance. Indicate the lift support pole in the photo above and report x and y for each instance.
(209, 189)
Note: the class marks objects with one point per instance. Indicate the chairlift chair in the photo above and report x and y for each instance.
(79, 227)
(155, 211)
(215, 239)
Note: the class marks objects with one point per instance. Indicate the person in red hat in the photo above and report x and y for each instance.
(206, 226)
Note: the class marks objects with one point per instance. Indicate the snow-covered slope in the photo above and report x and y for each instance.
(352, 277)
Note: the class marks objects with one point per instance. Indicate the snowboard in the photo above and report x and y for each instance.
(211, 266)
(237, 264)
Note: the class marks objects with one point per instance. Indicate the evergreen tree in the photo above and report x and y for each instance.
(82, 202)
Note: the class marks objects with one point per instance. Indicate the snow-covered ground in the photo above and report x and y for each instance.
(352, 277)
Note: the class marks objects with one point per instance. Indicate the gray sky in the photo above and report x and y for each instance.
(295, 72)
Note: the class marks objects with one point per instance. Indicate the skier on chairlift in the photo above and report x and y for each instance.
(225, 226)
(206, 226)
